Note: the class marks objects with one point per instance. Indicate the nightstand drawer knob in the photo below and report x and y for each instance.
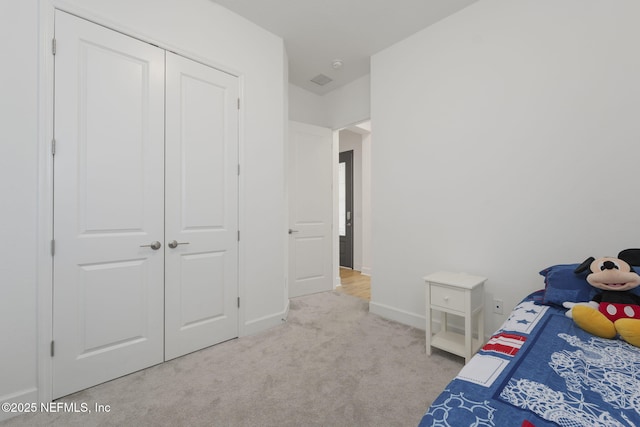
(446, 298)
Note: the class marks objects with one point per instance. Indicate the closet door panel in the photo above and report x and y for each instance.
(202, 152)
(108, 205)
(201, 206)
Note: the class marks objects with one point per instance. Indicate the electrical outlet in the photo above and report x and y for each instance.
(497, 306)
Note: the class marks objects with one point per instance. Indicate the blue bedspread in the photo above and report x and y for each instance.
(540, 370)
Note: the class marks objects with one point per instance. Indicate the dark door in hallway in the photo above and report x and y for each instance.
(345, 207)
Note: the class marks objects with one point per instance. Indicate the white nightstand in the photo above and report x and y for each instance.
(461, 295)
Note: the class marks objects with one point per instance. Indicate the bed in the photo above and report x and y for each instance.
(540, 369)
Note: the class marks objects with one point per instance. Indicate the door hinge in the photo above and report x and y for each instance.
(53, 46)
(53, 247)
(53, 147)
(238, 302)
(238, 169)
(238, 103)
(238, 235)
(52, 348)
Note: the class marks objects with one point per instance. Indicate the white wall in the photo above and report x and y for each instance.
(18, 192)
(197, 28)
(337, 109)
(507, 139)
(349, 104)
(307, 107)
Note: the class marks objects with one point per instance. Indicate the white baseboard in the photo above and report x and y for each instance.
(262, 324)
(401, 316)
(25, 396)
(410, 319)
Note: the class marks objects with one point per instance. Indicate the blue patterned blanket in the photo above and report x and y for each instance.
(541, 370)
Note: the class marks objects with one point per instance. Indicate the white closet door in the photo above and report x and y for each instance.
(108, 280)
(201, 206)
(310, 209)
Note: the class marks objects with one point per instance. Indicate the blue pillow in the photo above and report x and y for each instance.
(562, 284)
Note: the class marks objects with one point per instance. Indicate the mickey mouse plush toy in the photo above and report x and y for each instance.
(615, 310)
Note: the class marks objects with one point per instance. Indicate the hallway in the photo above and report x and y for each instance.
(355, 284)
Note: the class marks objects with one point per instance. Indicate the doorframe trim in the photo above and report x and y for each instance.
(44, 304)
(44, 198)
(335, 255)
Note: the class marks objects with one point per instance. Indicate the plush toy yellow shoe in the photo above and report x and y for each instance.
(629, 330)
(594, 322)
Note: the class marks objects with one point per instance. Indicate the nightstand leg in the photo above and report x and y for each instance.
(468, 336)
(481, 329)
(427, 333)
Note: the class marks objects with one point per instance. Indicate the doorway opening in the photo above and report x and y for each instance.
(354, 206)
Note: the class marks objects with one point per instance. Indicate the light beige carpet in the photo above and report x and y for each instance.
(331, 364)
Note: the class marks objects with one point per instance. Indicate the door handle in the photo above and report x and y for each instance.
(174, 244)
(291, 231)
(153, 245)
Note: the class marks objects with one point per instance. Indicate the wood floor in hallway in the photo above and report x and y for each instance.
(355, 283)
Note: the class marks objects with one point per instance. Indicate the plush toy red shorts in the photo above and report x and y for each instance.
(614, 311)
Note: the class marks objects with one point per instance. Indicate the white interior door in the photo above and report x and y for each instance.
(109, 173)
(201, 206)
(310, 209)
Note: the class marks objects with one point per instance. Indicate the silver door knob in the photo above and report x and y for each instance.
(154, 245)
(291, 231)
(174, 244)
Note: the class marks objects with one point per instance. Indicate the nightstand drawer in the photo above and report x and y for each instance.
(446, 297)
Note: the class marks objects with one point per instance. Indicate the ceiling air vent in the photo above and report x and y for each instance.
(321, 79)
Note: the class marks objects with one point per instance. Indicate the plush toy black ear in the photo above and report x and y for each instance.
(584, 266)
(630, 256)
